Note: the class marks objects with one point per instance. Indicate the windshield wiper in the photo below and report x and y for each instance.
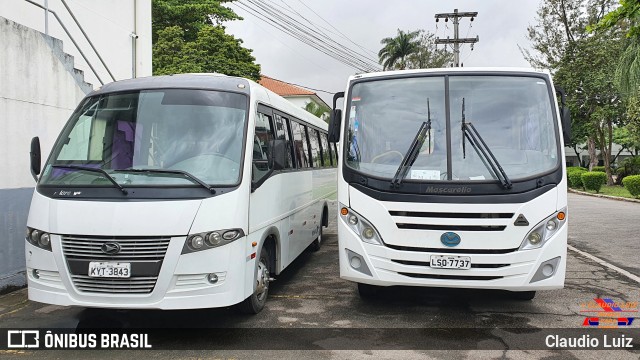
(469, 132)
(178, 172)
(414, 149)
(96, 170)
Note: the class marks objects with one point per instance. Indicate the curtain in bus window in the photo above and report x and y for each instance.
(300, 144)
(315, 147)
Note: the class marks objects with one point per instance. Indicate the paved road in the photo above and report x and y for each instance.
(608, 229)
(310, 295)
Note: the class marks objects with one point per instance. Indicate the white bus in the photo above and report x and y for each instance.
(177, 192)
(452, 178)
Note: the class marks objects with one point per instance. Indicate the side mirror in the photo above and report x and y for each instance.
(334, 125)
(566, 125)
(35, 157)
(279, 154)
(336, 119)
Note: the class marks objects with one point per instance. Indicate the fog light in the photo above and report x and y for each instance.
(552, 225)
(212, 278)
(36, 273)
(368, 233)
(355, 262)
(45, 240)
(548, 270)
(353, 220)
(534, 238)
(197, 242)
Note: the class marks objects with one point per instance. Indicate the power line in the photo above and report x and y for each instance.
(292, 27)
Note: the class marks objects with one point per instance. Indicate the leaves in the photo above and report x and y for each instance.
(186, 40)
(412, 50)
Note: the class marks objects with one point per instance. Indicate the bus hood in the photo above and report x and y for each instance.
(112, 218)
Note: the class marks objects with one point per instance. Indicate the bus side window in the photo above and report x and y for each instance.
(314, 147)
(261, 146)
(282, 133)
(326, 153)
(300, 144)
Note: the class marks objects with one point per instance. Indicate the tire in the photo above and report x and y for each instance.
(255, 303)
(367, 291)
(523, 295)
(317, 243)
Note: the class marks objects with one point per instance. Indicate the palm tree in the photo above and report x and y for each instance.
(396, 50)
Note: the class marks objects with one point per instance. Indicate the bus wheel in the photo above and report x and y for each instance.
(255, 303)
(317, 243)
(367, 291)
(523, 295)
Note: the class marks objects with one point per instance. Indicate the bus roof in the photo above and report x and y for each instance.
(456, 70)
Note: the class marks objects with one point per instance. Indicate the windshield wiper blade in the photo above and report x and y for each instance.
(191, 177)
(96, 170)
(481, 148)
(414, 149)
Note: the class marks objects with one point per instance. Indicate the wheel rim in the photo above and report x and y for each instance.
(262, 279)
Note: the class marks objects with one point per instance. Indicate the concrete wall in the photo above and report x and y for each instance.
(39, 88)
(108, 24)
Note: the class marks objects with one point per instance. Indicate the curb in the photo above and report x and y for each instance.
(604, 196)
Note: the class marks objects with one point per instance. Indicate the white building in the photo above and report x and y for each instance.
(42, 79)
(295, 94)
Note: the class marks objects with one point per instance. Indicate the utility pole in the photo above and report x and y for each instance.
(456, 41)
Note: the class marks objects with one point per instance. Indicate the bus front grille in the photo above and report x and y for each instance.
(133, 285)
(131, 248)
(451, 277)
(444, 221)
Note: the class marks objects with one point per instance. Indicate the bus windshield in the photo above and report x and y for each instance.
(152, 138)
(512, 114)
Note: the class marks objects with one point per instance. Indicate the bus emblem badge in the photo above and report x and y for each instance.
(450, 239)
(110, 248)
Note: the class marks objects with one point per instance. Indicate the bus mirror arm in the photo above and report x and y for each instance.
(565, 115)
(335, 120)
(35, 157)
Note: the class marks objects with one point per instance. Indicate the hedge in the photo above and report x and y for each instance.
(574, 176)
(632, 184)
(593, 180)
(599, 169)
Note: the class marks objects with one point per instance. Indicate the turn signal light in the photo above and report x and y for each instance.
(561, 215)
(344, 211)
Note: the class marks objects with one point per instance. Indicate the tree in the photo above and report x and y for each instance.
(396, 50)
(319, 110)
(188, 37)
(428, 55)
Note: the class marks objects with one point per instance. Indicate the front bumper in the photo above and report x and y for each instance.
(181, 283)
(388, 267)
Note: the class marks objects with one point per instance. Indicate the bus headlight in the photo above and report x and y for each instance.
(544, 230)
(211, 239)
(39, 238)
(360, 226)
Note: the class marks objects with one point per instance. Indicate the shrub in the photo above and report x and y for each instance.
(576, 168)
(593, 180)
(630, 166)
(574, 177)
(599, 169)
(632, 184)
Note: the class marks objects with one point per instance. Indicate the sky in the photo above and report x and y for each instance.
(501, 26)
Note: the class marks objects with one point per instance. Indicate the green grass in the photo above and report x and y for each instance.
(614, 190)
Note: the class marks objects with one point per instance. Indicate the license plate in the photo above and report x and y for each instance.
(110, 269)
(450, 262)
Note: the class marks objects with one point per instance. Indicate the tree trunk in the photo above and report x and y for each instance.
(591, 148)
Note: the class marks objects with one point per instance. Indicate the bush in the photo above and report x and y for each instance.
(632, 184)
(599, 169)
(576, 168)
(574, 177)
(630, 166)
(593, 180)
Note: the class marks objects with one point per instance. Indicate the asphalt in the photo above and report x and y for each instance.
(318, 315)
